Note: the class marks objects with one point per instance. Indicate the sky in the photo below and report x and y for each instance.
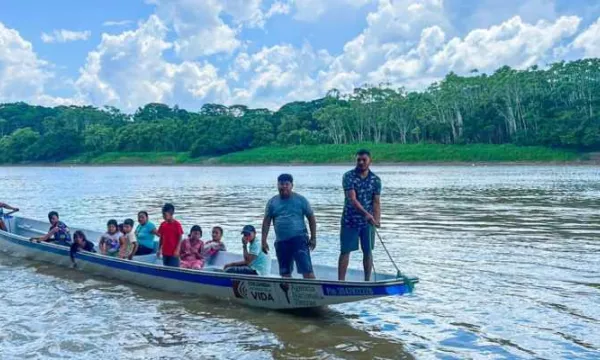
(265, 53)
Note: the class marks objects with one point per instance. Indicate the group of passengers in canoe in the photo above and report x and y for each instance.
(287, 211)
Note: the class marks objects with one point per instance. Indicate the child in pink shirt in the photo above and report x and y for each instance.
(191, 250)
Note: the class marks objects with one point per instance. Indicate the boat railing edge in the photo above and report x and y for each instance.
(387, 282)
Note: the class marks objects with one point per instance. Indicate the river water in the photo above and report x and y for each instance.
(508, 258)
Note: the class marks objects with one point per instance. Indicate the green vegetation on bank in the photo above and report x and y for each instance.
(137, 158)
(554, 107)
(338, 154)
(397, 153)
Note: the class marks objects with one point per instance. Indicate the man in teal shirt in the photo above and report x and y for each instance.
(255, 262)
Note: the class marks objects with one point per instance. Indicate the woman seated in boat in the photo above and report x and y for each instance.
(2, 207)
(191, 250)
(145, 233)
(110, 241)
(212, 248)
(255, 262)
(58, 233)
(80, 242)
(128, 242)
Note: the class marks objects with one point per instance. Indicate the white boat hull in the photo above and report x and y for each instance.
(266, 292)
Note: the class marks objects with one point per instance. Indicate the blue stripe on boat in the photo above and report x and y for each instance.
(328, 289)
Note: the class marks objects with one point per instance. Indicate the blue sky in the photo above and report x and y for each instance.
(264, 53)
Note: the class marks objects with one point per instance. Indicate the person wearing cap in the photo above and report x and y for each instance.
(255, 262)
(287, 211)
(128, 240)
(362, 212)
(191, 250)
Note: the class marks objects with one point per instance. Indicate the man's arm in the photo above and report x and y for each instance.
(351, 195)
(377, 209)
(248, 259)
(48, 235)
(6, 206)
(312, 225)
(266, 225)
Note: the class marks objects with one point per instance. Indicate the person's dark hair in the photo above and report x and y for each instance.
(196, 228)
(143, 212)
(168, 208)
(79, 234)
(51, 214)
(218, 228)
(112, 222)
(128, 222)
(362, 152)
(285, 178)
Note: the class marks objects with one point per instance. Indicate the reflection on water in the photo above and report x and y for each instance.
(509, 261)
(68, 314)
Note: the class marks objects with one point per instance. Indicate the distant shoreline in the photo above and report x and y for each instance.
(347, 164)
(342, 155)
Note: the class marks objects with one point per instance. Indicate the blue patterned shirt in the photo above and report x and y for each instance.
(365, 189)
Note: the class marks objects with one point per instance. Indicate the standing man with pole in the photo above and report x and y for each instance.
(287, 211)
(362, 211)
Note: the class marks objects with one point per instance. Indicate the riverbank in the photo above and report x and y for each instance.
(344, 154)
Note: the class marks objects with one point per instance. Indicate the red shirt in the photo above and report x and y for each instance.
(170, 234)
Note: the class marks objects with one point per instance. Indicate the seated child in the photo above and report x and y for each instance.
(80, 243)
(211, 248)
(191, 250)
(255, 262)
(128, 241)
(110, 241)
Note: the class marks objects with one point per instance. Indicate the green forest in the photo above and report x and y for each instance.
(557, 107)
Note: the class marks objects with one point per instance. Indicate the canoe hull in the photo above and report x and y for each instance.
(265, 292)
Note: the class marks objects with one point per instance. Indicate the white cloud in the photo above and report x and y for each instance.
(486, 13)
(278, 74)
(63, 36)
(278, 8)
(200, 28)
(589, 40)
(23, 75)
(406, 43)
(129, 70)
(512, 43)
(117, 23)
(312, 10)
(392, 30)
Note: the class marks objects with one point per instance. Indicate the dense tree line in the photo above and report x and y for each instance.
(558, 106)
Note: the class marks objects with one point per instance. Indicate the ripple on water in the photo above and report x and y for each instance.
(508, 257)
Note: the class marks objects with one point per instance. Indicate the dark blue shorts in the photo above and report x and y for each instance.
(349, 239)
(293, 250)
(172, 261)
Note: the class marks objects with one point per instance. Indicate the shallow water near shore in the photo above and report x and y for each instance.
(508, 258)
